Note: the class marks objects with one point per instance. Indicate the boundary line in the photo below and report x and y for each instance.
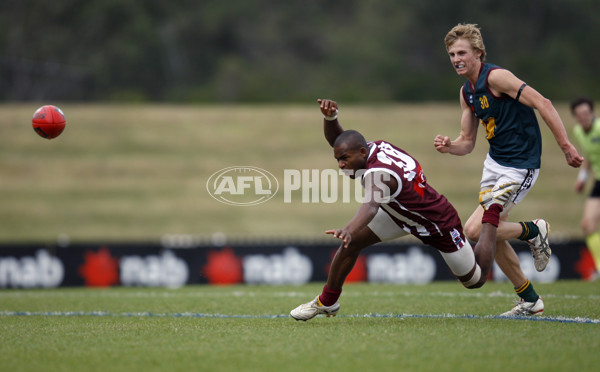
(558, 319)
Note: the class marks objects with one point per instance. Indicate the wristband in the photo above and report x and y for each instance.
(583, 175)
(332, 118)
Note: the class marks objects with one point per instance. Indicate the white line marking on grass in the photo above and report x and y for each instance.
(558, 319)
(138, 314)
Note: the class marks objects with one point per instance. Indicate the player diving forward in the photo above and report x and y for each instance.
(398, 201)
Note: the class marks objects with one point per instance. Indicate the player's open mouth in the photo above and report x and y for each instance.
(348, 172)
(458, 67)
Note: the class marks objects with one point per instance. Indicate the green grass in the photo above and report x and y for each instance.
(138, 172)
(131, 172)
(123, 339)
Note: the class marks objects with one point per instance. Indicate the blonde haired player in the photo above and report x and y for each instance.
(504, 105)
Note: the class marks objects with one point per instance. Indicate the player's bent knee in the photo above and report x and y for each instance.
(473, 281)
(479, 284)
(463, 265)
(476, 286)
(472, 231)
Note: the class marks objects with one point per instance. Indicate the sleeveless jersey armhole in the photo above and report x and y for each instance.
(487, 85)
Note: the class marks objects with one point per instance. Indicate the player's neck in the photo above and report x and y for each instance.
(473, 75)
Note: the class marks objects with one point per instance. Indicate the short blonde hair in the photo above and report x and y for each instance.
(470, 32)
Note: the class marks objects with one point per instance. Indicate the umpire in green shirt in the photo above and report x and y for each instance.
(587, 133)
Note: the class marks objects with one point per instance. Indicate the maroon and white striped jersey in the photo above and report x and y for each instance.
(416, 206)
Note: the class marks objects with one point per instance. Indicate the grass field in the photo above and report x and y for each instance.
(121, 172)
(435, 327)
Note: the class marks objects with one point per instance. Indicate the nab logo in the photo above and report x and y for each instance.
(242, 185)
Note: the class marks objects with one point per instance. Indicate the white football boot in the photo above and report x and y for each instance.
(313, 308)
(540, 248)
(498, 194)
(523, 308)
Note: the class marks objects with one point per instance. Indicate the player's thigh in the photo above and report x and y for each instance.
(591, 213)
(385, 228)
(461, 261)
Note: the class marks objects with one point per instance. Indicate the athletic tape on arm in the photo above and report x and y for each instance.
(520, 91)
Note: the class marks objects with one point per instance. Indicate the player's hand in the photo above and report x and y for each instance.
(579, 186)
(442, 144)
(573, 158)
(328, 107)
(343, 235)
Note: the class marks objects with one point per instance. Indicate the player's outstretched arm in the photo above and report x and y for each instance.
(331, 126)
(506, 82)
(363, 216)
(379, 186)
(554, 122)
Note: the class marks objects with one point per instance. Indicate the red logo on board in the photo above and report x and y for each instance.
(223, 267)
(100, 269)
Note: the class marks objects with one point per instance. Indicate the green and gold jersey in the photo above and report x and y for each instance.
(512, 128)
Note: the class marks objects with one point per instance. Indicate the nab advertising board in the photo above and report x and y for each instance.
(160, 265)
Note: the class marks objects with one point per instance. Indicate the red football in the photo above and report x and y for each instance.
(48, 121)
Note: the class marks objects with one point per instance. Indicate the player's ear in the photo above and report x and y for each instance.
(364, 152)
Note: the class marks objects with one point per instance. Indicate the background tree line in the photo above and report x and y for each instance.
(284, 51)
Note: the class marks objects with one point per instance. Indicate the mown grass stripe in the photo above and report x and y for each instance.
(9, 294)
(559, 319)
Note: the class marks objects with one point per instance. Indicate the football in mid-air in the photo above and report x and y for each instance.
(48, 121)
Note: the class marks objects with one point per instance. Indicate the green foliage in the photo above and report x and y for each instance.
(127, 339)
(265, 51)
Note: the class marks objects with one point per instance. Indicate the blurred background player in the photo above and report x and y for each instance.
(398, 201)
(503, 104)
(587, 133)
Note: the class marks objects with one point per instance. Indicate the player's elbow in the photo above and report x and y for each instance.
(465, 144)
(371, 208)
(465, 149)
(544, 105)
(469, 148)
